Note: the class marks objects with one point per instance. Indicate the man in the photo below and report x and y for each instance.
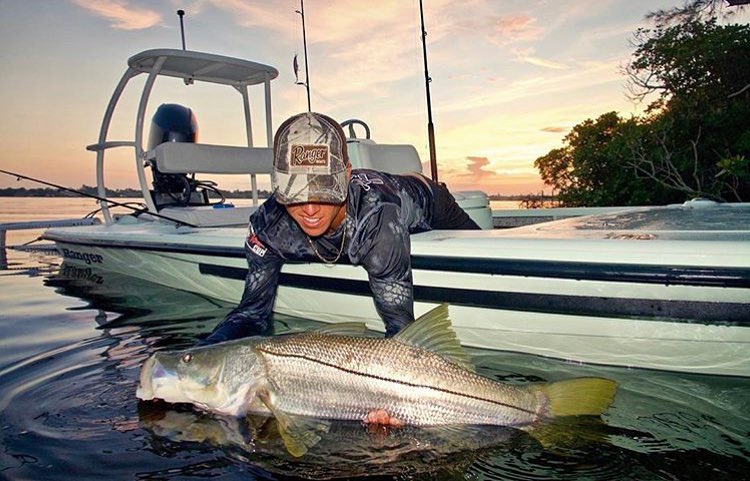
(322, 211)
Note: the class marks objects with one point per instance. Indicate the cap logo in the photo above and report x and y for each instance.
(309, 155)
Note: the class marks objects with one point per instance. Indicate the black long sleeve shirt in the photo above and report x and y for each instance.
(382, 210)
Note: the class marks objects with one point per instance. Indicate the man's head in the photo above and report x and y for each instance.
(311, 171)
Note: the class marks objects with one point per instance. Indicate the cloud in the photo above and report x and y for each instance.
(587, 74)
(554, 130)
(121, 13)
(258, 14)
(353, 50)
(508, 180)
(358, 52)
(473, 172)
(526, 55)
(476, 164)
(540, 62)
(499, 29)
(342, 21)
(515, 28)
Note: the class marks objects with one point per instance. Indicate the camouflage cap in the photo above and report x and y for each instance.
(310, 160)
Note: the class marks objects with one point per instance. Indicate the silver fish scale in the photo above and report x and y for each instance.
(345, 378)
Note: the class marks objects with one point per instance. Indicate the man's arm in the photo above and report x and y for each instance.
(252, 317)
(386, 255)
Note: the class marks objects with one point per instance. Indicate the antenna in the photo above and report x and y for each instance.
(306, 83)
(427, 80)
(181, 14)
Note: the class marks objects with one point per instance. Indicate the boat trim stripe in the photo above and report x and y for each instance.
(712, 313)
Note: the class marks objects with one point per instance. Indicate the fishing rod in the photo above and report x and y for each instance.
(301, 11)
(100, 199)
(427, 80)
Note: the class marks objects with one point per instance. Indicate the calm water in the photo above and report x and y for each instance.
(72, 341)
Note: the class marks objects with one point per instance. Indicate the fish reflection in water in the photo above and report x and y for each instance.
(350, 449)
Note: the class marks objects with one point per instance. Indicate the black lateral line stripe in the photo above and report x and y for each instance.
(711, 313)
(404, 383)
(593, 271)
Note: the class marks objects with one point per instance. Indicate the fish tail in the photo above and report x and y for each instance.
(586, 396)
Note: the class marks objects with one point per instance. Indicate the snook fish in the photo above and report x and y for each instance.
(420, 377)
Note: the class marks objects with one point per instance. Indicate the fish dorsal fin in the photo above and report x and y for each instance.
(351, 329)
(433, 332)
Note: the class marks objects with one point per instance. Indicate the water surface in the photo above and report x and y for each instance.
(72, 340)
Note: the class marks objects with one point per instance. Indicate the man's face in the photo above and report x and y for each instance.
(317, 218)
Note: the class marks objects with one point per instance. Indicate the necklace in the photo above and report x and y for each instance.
(338, 256)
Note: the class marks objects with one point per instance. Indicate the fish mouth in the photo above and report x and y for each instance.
(154, 378)
(145, 391)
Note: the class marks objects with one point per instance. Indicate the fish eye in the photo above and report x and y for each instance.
(187, 358)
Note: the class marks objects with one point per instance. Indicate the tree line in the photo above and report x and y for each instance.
(693, 139)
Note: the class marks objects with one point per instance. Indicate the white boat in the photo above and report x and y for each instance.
(661, 288)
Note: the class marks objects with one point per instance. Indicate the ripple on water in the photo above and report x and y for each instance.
(56, 393)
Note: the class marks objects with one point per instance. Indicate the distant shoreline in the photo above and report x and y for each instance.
(237, 194)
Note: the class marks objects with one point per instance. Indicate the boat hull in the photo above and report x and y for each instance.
(547, 297)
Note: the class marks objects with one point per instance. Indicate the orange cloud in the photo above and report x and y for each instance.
(516, 27)
(475, 166)
(554, 130)
(469, 176)
(122, 15)
(501, 30)
(474, 177)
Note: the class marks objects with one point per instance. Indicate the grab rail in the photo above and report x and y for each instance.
(39, 224)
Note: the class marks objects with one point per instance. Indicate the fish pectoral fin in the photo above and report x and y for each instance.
(299, 433)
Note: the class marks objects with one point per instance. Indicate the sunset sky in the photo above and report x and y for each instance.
(510, 78)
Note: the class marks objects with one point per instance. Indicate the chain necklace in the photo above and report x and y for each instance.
(341, 248)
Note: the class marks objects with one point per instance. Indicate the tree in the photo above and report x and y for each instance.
(697, 136)
(693, 141)
(695, 10)
(592, 169)
(694, 61)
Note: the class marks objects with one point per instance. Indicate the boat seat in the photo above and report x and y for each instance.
(390, 158)
(184, 157)
(403, 159)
